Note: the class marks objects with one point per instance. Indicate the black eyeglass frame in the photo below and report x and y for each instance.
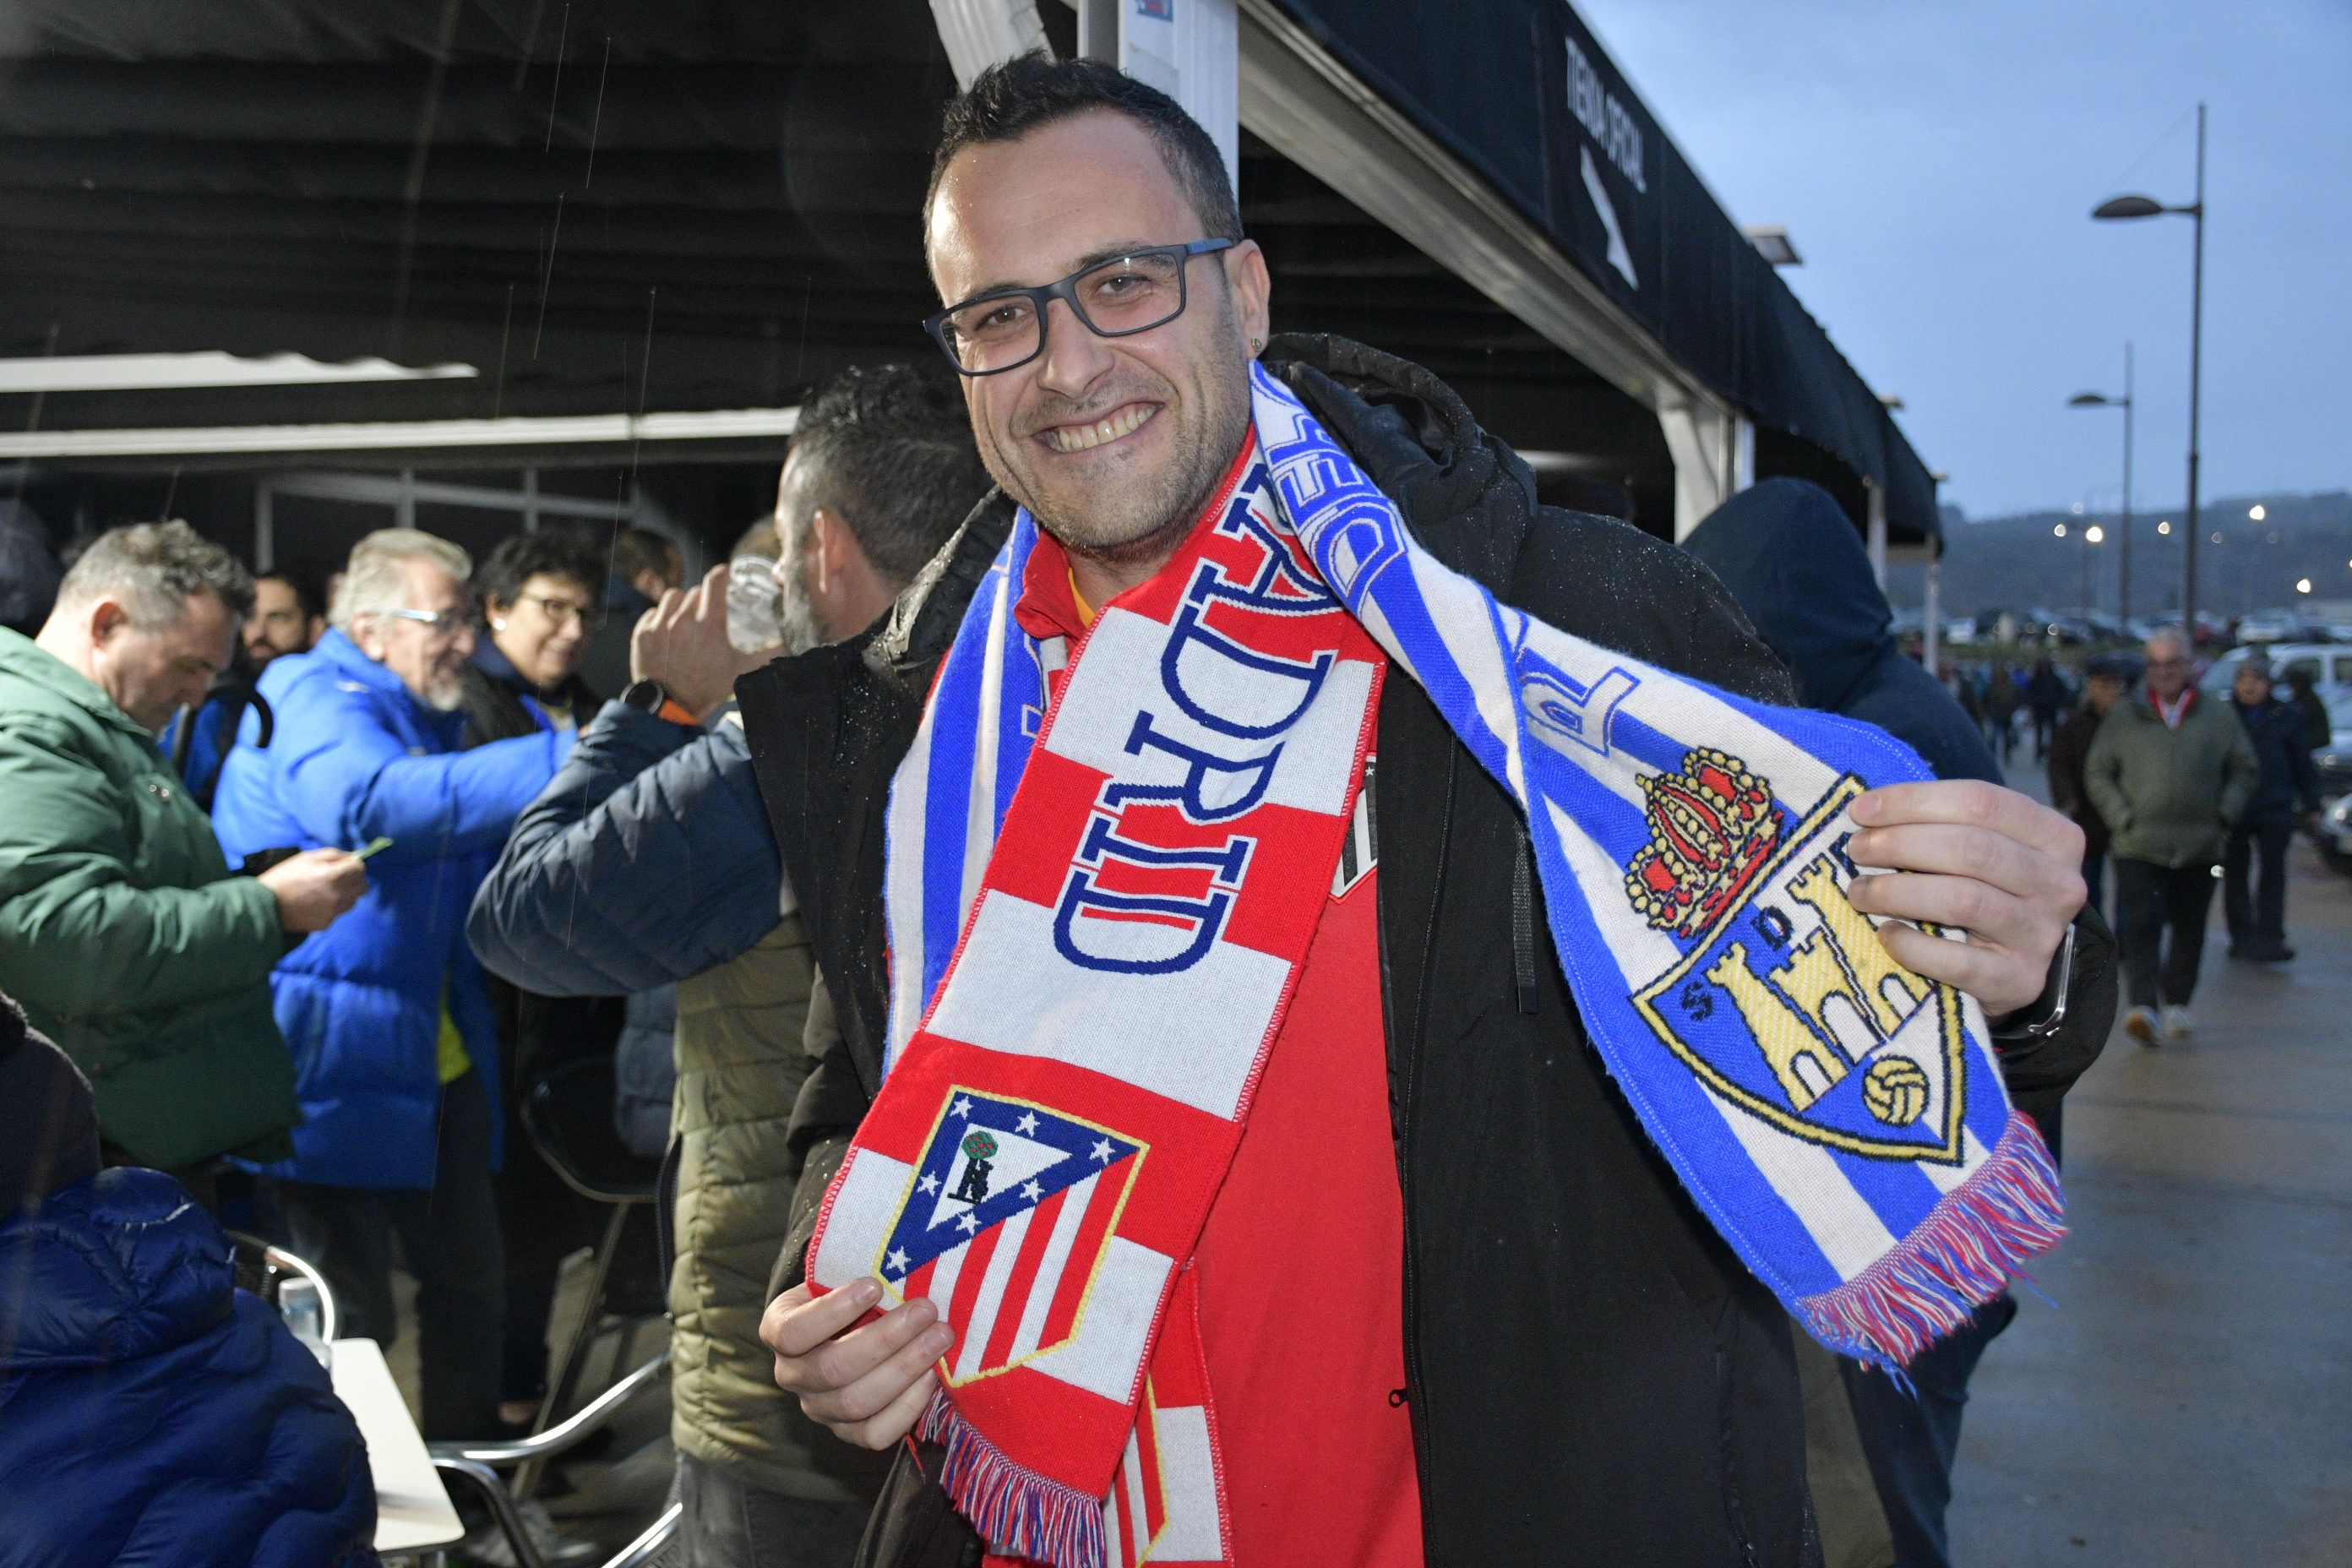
(1066, 290)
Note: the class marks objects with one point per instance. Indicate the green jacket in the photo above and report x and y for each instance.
(739, 1066)
(2169, 795)
(123, 932)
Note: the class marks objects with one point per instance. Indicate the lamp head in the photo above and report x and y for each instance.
(2128, 207)
(2089, 400)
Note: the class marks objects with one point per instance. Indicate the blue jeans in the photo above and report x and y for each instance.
(1912, 1442)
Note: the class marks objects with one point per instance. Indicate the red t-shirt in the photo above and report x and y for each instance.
(1301, 1262)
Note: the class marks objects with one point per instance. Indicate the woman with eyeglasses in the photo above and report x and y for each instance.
(541, 600)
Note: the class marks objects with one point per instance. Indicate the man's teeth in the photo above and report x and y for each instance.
(1078, 437)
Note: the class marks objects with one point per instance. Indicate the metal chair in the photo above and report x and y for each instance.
(262, 1268)
(568, 1116)
(478, 1464)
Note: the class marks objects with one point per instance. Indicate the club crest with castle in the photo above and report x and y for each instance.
(1783, 1000)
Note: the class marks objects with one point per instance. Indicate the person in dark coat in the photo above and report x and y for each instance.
(2045, 698)
(2319, 726)
(2287, 793)
(540, 609)
(1791, 559)
(150, 1411)
(2106, 678)
(1796, 564)
(1582, 1367)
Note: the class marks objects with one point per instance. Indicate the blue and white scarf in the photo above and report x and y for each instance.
(1841, 1120)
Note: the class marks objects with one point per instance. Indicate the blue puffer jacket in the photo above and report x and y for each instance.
(356, 757)
(149, 1412)
(650, 859)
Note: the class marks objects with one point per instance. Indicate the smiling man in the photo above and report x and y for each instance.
(1217, 1162)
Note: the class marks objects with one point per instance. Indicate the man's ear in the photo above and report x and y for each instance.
(834, 550)
(107, 616)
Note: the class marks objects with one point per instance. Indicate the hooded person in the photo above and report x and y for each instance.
(150, 1411)
(1791, 556)
(1793, 560)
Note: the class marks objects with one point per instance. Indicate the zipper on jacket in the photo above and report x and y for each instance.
(1523, 922)
(1407, 1090)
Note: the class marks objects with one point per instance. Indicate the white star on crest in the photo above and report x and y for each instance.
(1032, 1191)
(1028, 1122)
(930, 1184)
(1102, 1149)
(898, 1261)
(962, 1107)
(966, 1224)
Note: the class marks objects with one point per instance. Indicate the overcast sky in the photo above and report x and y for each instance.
(1934, 162)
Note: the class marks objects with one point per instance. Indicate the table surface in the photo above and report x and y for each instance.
(413, 1513)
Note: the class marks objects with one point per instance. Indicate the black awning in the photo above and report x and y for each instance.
(1521, 92)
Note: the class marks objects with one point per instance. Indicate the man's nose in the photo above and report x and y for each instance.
(464, 642)
(1075, 359)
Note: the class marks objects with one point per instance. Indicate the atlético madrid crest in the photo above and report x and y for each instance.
(1784, 1002)
(1003, 1224)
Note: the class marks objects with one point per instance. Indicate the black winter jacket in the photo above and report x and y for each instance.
(2288, 781)
(1592, 1375)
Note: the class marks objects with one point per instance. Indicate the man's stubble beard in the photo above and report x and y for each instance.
(1125, 525)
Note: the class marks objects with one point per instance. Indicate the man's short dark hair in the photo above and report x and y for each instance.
(637, 550)
(306, 578)
(1031, 91)
(887, 448)
(153, 569)
(543, 551)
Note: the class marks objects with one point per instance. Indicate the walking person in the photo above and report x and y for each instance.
(127, 935)
(393, 1045)
(2318, 728)
(2106, 678)
(2000, 702)
(1523, 1331)
(2045, 698)
(2170, 773)
(648, 861)
(2286, 795)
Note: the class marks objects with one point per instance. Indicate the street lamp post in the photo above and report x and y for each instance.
(2124, 528)
(2125, 207)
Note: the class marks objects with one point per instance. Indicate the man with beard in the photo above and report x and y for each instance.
(395, 1051)
(648, 860)
(1441, 1295)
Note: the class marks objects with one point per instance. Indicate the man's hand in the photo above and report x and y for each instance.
(315, 886)
(682, 643)
(868, 1384)
(1965, 853)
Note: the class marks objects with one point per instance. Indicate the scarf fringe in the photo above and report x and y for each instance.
(1965, 1254)
(1017, 1511)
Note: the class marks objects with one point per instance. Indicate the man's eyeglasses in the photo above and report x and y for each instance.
(436, 623)
(1005, 329)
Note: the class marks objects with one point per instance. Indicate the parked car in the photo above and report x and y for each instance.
(2330, 665)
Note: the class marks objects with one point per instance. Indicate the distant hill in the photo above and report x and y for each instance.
(2020, 561)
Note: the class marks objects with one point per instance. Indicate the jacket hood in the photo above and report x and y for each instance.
(1791, 557)
(112, 1269)
(28, 661)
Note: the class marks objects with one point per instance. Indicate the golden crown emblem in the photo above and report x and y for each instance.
(1712, 825)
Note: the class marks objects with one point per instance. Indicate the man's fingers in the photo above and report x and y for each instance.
(896, 1419)
(797, 1321)
(1971, 803)
(875, 1392)
(1984, 911)
(1959, 851)
(1995, 976)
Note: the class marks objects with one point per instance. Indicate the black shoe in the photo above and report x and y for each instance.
(2277, 953)
(2240, 953)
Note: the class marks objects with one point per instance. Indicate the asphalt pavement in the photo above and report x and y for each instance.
(2184, 1395)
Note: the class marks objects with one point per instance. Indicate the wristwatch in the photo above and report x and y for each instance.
(650, 696)
(2050, 1004)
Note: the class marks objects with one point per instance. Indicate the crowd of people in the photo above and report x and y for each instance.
(313, 880)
